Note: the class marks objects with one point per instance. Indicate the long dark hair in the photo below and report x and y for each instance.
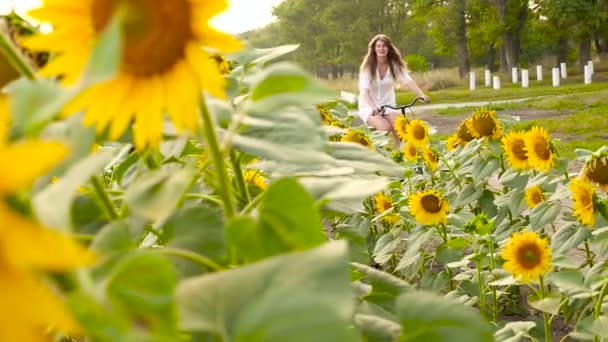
(370, 61)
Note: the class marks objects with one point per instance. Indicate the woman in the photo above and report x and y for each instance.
(380, 68)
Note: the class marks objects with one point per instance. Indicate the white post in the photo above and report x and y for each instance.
(514, 74)
(472, 80)
(590, 64)
(587, 74)
(488, 78)
(539, 72)
(496, 82)
(555, 77)
(524, 78)
(562, 67)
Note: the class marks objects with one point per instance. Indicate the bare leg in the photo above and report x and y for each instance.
(382, 123)
(391, 117)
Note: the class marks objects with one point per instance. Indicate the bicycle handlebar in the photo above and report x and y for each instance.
(382, 109)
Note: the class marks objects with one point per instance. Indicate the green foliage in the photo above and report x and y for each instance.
(416, 63)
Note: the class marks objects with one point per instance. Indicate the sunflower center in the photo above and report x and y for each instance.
(518, 149)
(463, 132)
(537, 197)
(418, 132)
(156, 33)
(431, 203)
(484, 125)
(541, 149)
(598, 171)
(585, 199)
(529, 256)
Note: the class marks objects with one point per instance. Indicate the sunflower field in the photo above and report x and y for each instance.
(162, 181)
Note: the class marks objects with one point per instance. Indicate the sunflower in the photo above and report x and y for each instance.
(452, 142)
(429, 207)
(534, 196)
(463, 132)
(527, 256)
(583, 200)
(326, 118)
(358, 137)
(514, 144)
(410, 151)
(401, 123)
(26, 249)
(417, 133)
(596, 171)
(541, 153)
(384, 203)
(483, 123)
(163, 67)
(431, 156)
(256, 178)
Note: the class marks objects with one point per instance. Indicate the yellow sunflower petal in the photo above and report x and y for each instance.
(539, 150)
(149, 115)
(26, 245)
(583, 202)
(429, 207)
(29, 307)
(26, 161)
(527, 256)
(207, 72)
(417, 133)
(514, 146)
(534, 196)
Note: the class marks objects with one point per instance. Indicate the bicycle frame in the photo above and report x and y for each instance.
(382, 109)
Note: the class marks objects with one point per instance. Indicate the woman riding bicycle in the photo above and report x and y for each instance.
(381, 66)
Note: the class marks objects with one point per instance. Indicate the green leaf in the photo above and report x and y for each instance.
(196, 229)
(143, 284)
(515, 331)
(482, 169)
(549, 304)
(114, 237)
(382, 282)
(288, 220)
(376, 328)
(363, 160)
(544, 213)
(428, 317)
(105, 59)
(600, 326)
(569, 237)
(570, 283)
(155, 195)
(53, 204)
(302, 296)
(96, 321)
(446, 255)
(268, 54)
(284, 84)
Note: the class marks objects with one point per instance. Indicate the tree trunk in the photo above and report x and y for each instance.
(462, 49)
(562, 50)
(584, 54)
(492, 58)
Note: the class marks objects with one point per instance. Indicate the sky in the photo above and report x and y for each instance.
(241, 16)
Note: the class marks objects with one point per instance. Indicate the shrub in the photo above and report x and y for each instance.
(416, 63)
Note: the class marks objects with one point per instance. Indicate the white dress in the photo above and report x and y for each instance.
(382, 90)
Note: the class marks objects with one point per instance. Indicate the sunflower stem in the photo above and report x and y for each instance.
(107, 204)
(240, 179)
(196, 258)
(13, 54)
(451, 170)
(546, 321)
(482, 296)
(588, 253)
(598, 306)
(494, 297)
(218, 160)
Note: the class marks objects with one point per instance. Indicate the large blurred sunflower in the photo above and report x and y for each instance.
(384, 203)
(534, 196)
(527, 256)
(429, 207)
(357, 137)
(27, 250)
(596, 171)
(483, 123)
(401, 123)
(163, 67)
(583, 200)
(513, 144)
(417, 133)
(541, 153)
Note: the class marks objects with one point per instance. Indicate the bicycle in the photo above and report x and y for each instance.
(382, 109)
